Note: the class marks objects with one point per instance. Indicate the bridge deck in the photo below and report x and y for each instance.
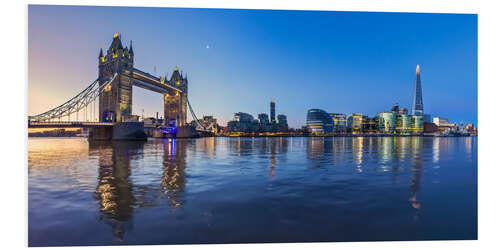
(70, 124)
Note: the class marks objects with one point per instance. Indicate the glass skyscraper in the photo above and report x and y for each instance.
(273, 111)
(418, 104)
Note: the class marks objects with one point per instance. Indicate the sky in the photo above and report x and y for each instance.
(238, 60)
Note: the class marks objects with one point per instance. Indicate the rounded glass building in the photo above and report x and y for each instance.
(319, 122)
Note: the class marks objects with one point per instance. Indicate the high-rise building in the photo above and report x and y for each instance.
(418, 104)
(273, 111)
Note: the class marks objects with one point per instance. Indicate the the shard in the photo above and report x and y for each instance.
(418, 104)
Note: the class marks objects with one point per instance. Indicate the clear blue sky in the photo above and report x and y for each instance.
(342, 62)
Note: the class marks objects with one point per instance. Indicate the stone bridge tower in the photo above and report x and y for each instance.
(115, 103)
(175, 102)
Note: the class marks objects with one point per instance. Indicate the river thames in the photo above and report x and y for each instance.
(242, 190)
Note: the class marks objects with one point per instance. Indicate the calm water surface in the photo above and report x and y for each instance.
(239, 190)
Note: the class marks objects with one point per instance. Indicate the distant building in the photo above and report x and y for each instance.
(469, 128)
(273, 111)
(395, 108)
(282, 123)
(440, 121)
(339, 122)
(242, 122)
(430, 128)
(243, 117)
(427, 118)
(403, 111)
(263, 118)
(319, 122)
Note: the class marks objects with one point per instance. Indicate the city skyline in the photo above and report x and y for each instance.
(234, 71)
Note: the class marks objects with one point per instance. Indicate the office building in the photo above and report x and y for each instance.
(319, 122)
(386, 122)
(417, 126)
(440, 121)
(339, 122)
(403, 124)
(273, 111)
(282, 123)
(263, 118)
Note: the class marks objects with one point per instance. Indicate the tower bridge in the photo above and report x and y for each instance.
(113, 89)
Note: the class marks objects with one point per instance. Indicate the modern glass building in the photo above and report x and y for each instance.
(319, 122)
(403, 124)
(386, 122)
(339, 122)
(354, 123)
(368, 125)
(243, 117)
(417, 125)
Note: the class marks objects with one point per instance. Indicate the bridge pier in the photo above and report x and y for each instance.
(132, 131)
(186, 132)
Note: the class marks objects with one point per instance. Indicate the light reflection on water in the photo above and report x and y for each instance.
(228, 190)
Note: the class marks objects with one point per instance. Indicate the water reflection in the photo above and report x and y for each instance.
(417, 162)
(114, 188)
(193, 191)
(174, 165)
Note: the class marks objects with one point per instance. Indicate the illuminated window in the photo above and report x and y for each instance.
(178, 82)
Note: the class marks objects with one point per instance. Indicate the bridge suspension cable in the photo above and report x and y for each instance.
(75, 104)
(194, 116)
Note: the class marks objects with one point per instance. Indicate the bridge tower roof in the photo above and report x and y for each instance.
(117, 43)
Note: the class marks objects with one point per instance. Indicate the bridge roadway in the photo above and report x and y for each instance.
(69, 124)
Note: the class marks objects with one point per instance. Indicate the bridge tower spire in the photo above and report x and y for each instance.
(115, 104)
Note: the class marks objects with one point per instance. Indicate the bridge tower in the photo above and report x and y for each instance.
(115, 103)
(175, 102)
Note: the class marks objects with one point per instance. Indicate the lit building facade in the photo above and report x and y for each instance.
(417, 126)
(386, 122)
(319, 122)
(354, 123)
(339, 122)
(440, 121)
(403, 124)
